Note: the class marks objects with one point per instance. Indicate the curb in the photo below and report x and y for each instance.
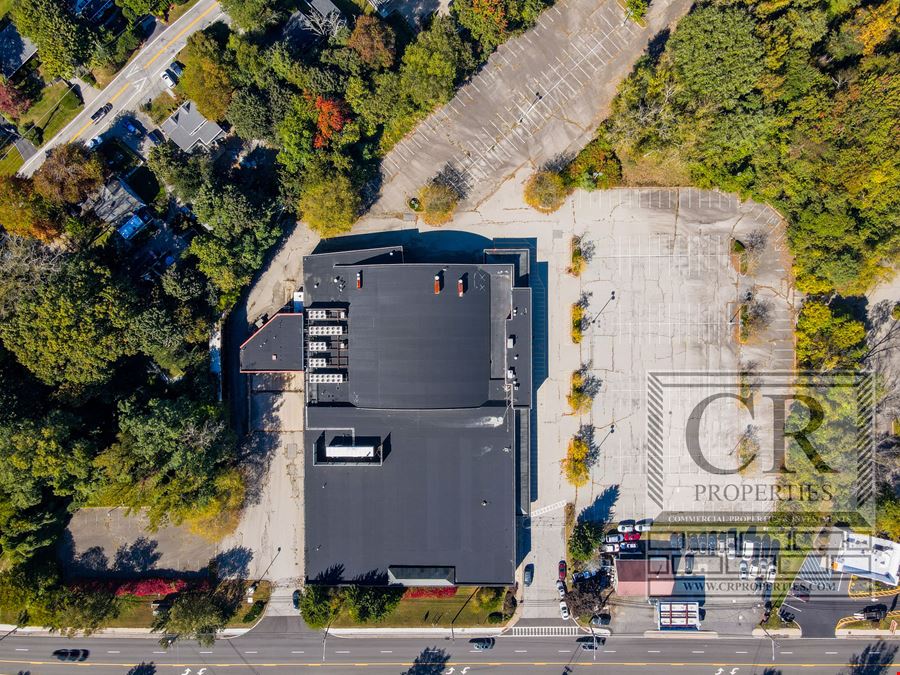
(783, 633)
(682, 634)
(112, 633)
(411, 632)
(864, 633)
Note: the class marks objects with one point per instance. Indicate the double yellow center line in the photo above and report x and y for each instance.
(149, 63)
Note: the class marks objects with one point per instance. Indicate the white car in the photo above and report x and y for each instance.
(626, 526)
(732, 548)
(561, 588)
(743, 569)
(643, 526)
(748, 550)
(614, 538)
(168, 78)
(610, 548)
(564, 610)
(754, 570)
(773, 571)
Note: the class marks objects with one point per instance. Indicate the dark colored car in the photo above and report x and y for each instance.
(689, 563)
(693, 544)
(562, 570)
(482, 644)
(711, 542)
(875, 612)
(676, 540)
(528, 575)
(601, 619)
(295, 598)
(71, 654)
(156, 137)
(101, 113)
(584, 576)
(701, 544)
(629, 546)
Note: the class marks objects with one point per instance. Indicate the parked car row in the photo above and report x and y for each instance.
(758, 569)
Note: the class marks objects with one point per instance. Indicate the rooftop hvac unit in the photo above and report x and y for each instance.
(326, 378)
(326, 329)
(318, 346)
(341, 314)
(350, 451)
(359, 279)
(437, 284)
(316, 314)
(318, 362)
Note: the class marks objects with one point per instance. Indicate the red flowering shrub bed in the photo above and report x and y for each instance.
(429, 592)
(146, 587)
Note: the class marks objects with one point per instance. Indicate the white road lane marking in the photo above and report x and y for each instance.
(653, 651)
(342, 651)
(564, 651)
(251, 652)
(206, 652)
(521, 651)
(298, 652)
(113, 651)
(697, 651)
(21, 649)
(385, 651)
(831, 652)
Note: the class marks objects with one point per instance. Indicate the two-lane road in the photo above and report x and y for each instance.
(296, 651)
(136, 82)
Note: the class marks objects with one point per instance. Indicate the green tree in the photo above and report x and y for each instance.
(194, 615)
(437, 201)
(73, 328)
(250, 116)
(371, 603)
(134, 9)
(207, 78)
(486, 20)
(318, 605)
(434, 64)
(330, 206)
(585, 537)
(252, 14)
(167, 457)
(63, 43)
(545, 191)
(22, 212)
(828, 338)
(717, 55)
(374, 41)
(184, 173)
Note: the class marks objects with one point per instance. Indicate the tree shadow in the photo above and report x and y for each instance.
(875, 659)
(590, 383)
(450, 176)
(92, 560)
(558, 162)
(432, 661)
(138, 557)
(233, 563)
(330, 576)
(603, 507)
(143, 669)
(657, 45)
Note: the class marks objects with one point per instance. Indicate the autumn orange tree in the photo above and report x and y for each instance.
(331, 117)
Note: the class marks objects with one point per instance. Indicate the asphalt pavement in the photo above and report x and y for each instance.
(282, 645)
(137, 82)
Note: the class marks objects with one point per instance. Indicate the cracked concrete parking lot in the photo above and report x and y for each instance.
(540, 95)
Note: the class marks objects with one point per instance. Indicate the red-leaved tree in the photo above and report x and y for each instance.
(332, 116)
(12, 101)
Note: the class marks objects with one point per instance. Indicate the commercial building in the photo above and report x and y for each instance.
(868, 557)
(644, 577)
(673, 615)
(418, 387)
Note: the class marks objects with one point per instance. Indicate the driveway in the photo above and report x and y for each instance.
(539, 96)
(135, 83)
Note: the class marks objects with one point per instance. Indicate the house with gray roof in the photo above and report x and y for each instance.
(115, 203)
(187, 127)
(15, 50)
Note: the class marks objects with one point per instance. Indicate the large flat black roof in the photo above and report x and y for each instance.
(423, 506)
(276, 347)
(411, 434)
(412, 348)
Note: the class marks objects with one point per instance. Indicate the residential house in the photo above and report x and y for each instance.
(187, 127)
(15, 50)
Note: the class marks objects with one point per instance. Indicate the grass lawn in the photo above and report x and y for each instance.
(11, 160)
(5, 6)
(432, 612)
(178, 11)
(162, 106)
(53, 109)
